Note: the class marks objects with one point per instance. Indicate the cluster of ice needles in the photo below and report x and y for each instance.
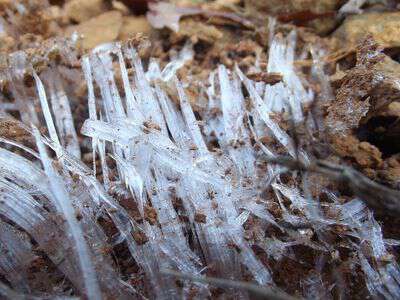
(159, 189)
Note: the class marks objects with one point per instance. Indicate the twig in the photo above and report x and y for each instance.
(256, 291)
(376, 196)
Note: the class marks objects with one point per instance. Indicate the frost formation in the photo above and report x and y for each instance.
(199, 210)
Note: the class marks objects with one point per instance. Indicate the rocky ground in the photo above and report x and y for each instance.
(347, 55)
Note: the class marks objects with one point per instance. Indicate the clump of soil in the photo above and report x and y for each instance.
(362, 120)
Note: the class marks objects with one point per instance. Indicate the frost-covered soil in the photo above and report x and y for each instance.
(118, 182)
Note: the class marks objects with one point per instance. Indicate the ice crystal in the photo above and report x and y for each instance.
(200, 210)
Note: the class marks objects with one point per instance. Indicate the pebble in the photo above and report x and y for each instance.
(131, 25)
(384, 28)
(80, 11)
(101, 29)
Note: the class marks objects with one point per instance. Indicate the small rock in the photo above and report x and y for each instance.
(101, 29)
(393, 109)
(197, 31)
(116, 5)
(80, 11)
(132, 25)
(363, 154)
(384, 28)
(391, 172)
